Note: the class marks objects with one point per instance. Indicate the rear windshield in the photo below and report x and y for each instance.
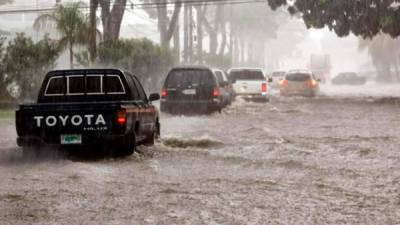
(56, 86)
(188, 77)
(247, 75)
(81, 85)
(298, 77)
(114, 85)
(278, 74)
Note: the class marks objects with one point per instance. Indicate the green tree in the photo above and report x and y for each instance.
(384, 52)
(252, 26)
(365, 18)
(141, 56)
(25, 63)
(72, 25)
(4, 95)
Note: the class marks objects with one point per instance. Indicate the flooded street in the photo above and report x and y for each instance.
(330, 160)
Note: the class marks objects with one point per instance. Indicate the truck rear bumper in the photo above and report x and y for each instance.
(29, 141)
(254, 97)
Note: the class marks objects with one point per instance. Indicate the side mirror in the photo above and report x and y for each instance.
(270, 80)
(154, 97)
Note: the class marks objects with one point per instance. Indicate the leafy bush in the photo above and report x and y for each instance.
(24, 64)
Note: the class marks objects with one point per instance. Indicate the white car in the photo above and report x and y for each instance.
(250, 83)
(277, 76)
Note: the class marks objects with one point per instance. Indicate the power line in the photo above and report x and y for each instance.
(143, 5)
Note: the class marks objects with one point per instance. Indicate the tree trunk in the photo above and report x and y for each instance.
(163, 22)
(250, 52)
(93, 31)
(213, 30)
(185, 34)
(177, 42)
(222, 29)
(213, 42)
(235, 55)
(112, 19)
(190, 34)
(223, 42)
(166, 27)
(242, 51)
(71, 55)
(199, 34)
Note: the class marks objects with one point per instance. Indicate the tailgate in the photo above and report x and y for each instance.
(297, 85)
(190, 93)
(248, 86)
(53, 120)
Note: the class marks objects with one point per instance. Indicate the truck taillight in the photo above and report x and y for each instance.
(164, 93)
(216, 92)
(284, 82)
(264, 87)
(121, 117)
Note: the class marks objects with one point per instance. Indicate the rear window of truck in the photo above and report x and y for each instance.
(94, 84)
(246, 75)
(79, 85)
(114, 85)
(188, 77)
(56, 86)
(298, 77)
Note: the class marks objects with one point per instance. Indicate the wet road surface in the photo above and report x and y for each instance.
(330, 160)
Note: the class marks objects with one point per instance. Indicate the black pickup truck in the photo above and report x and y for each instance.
(89, 107)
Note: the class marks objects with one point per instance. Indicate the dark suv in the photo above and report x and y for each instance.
(191, 89)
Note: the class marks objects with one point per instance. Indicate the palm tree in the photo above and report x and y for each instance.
(71, 24)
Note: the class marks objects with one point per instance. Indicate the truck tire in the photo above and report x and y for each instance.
(128, 147)
(156, 135)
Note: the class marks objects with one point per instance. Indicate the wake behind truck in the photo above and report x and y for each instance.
(89, 107)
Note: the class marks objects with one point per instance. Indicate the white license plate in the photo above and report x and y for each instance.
(71, 139)
(189, 91)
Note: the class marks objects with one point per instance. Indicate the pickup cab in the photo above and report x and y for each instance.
(89, 107)
(250, 83)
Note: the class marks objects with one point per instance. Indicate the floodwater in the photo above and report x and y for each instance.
(330, 160)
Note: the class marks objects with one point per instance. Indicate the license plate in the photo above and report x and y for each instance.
(189, 91)
(71, 139)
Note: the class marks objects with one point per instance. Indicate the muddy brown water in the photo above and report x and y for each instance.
(291, 161)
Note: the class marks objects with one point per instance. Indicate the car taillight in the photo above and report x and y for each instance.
(284, 82)
(121, 117)
(264, 87)
(312, 83)
(216, 92)
(164, 93)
